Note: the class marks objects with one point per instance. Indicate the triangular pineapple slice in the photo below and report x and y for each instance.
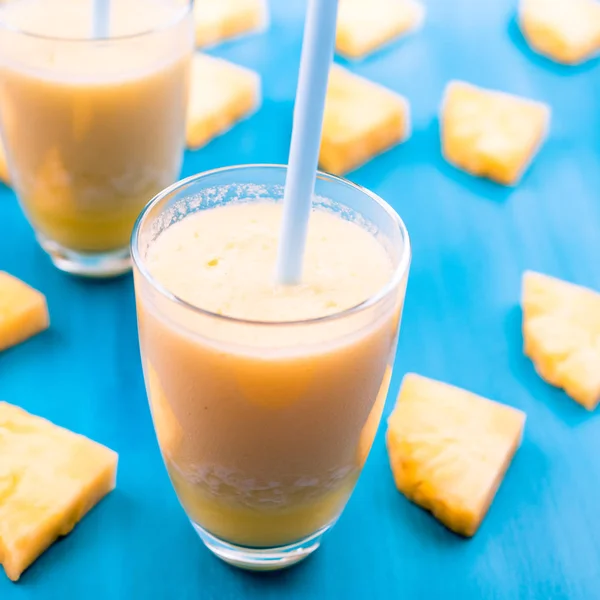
(561, 331)
(567, 31)
(221, 94)
(219, 20)
(449, 449)
(362, 119)
(366, 25)
(23, 311)
(489, 133)
(49, 479)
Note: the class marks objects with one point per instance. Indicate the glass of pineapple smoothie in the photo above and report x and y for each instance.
(93, 128)
(266, 399)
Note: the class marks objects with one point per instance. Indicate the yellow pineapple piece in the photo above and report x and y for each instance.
(49, 479)
(4, 174)
(567, 31)
(362, 119)
(561, 331)
(366, 25)
(221, 94)
(491, 134)
(543, 294)
(23, 311)
(449, 449)
(369, 430)
(218, 20)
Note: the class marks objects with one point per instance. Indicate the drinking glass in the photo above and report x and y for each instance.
(93, 128)
(264, 427)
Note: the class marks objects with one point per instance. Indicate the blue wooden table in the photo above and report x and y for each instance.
(472, 240)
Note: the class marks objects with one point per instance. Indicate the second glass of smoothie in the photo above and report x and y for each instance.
(266, 399)
(93, 128)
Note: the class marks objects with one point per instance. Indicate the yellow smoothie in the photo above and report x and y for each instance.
(264, 427)
(93, 130)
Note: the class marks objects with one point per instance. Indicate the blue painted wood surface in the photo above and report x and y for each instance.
(472, 241)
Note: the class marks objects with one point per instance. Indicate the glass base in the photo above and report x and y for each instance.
(261, 559)
(96, 265)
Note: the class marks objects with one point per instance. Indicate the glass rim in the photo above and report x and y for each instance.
(400, 270)
(165, 26)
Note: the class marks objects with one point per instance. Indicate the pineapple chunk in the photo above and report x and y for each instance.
(218, 20)
(364, 26)
(491, 134)
(4, 174)
(567, 31)
(561, 331)
(449, 449)
(23, 311)
(221, 94)
(49, 479)
(362, 119)
(369, 430)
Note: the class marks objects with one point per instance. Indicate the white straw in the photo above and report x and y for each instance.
(317, 56)
(101, 23)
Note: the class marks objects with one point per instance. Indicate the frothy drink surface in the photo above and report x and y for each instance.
(72, 19)
(92, 130)
(223, 260)
(264, 434)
